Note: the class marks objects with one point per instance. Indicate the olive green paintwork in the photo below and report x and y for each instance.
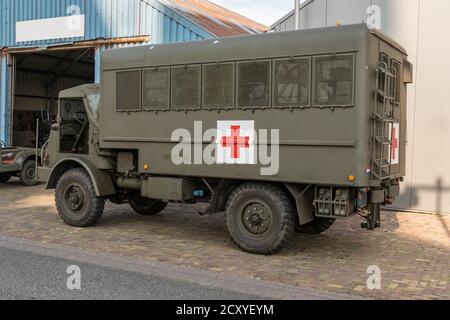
(320, 146)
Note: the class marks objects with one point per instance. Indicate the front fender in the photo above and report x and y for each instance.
(22, 157)
(102, 181)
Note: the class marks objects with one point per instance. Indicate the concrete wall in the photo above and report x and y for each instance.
(420, 26)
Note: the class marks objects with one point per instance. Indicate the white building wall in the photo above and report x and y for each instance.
(421, 27)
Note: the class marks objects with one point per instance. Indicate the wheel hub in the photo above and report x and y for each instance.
(74, 198)
(256, 218)
(30, 173)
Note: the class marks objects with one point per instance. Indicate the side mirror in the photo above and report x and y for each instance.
(55, 126)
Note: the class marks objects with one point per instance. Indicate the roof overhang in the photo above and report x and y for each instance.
(77, 45)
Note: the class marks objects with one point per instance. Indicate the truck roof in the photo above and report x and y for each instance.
(292, 43)
(80, 91)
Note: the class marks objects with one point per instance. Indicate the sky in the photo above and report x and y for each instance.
(266, 12)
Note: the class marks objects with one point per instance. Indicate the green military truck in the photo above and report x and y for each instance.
(281, 131)
(17, 162)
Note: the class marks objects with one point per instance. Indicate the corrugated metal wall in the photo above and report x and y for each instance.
(30, 86)
(417, 25)
(104, 19)
(321, 13)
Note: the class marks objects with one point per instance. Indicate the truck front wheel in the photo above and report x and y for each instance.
(28, 174)
(147, 207)
(76, 201)
(260, 218)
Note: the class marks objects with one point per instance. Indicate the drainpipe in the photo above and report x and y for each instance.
(4, 100)
(98, 52)
(297, 14)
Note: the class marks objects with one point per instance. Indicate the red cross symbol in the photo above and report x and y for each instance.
(394, 143)
(236, 142)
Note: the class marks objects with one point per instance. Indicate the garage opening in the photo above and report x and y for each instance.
(38, 78)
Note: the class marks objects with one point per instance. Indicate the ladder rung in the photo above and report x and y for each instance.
(382, 162)
(377, 176)
(379, 117)
(390, 74)
(386, 142)
(387, 73)
(384, 95)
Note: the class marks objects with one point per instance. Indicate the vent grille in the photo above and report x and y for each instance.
(156, 89)
(186, 83)
(218, 86)
(334, 80)
(292, 82)
(254, 84)
(128, 94)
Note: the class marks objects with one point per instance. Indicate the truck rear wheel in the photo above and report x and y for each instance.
(318, 226)
(28, 174)
(260, 218)
(76, 201)
(147, 207)
(4, 178)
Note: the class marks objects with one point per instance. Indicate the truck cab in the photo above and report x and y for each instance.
(73, 140)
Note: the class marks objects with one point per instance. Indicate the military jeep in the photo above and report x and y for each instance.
(18, 162)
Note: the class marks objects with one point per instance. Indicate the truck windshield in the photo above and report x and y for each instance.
(72, 108)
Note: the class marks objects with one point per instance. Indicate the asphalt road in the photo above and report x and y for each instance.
(31, 276)
(29, 270)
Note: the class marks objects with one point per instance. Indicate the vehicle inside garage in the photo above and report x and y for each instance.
(39, 76)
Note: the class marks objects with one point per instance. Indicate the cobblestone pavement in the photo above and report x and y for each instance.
(412, 250)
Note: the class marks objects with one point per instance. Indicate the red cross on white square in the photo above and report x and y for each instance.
(394, 136)
(235, 142)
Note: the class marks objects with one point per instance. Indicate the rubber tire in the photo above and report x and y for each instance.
(147, 207)
(94, 208)
(318, 226)
(284, 216)
(30, 164)
(4, 178)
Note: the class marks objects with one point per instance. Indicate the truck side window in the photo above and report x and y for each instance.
(334, 80)
(156, 89)
(128, 90)
(218, 86)
(186, 87)
(292, 82)
(254, 84)
(70, 109)
(74, 127)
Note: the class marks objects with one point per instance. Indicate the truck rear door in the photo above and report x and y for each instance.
(389, 123)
